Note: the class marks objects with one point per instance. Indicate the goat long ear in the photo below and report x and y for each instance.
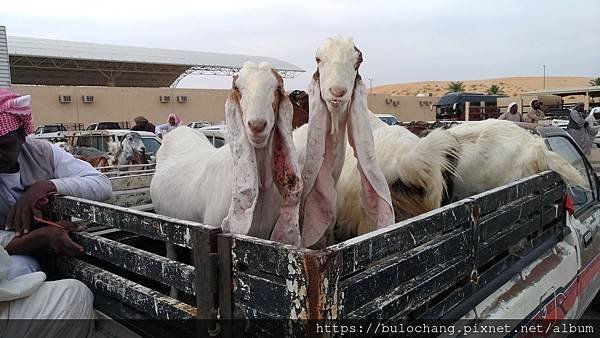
(244, 192)
(286, 176)
(318, 207)
(375, 193)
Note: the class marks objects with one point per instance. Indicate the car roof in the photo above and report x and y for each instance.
(117, 132)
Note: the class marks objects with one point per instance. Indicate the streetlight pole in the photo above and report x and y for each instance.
(544, 76)
(371, 86)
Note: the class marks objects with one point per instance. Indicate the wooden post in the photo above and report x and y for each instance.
(467, 110)
(483, 115)
(586, 103)
(204, 248)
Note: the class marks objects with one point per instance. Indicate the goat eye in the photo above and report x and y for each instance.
(318, 59)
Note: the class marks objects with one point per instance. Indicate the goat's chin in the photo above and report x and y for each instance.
(258, 143)
(337, 106)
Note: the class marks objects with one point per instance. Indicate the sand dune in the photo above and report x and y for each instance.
(511, 85)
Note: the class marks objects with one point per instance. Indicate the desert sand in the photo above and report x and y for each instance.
(511, 86)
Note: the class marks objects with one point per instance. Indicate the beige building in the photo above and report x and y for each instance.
(405, 108)
(81, 104)
(67, 103)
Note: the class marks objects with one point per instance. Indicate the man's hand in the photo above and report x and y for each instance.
(21, 214)
(60, 242)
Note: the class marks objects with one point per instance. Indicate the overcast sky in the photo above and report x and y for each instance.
(401, 41)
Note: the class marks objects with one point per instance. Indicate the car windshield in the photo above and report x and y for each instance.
(108, 125)
(54, 129)
(388, 119)
(151, 145)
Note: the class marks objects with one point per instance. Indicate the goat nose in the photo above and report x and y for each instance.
(337, 91)
(257, 126)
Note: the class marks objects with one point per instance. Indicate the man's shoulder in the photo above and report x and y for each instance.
(36, 145)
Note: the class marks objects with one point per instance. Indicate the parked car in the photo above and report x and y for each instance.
(104, 126)
(560, 123)
(198, 124)
(387, 118)
(50, 132)
(215, 134)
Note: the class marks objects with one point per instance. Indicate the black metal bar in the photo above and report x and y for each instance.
(147, 264)
(154, 226)
(153, 303)
(358, 253)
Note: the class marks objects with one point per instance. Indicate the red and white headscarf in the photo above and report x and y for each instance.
(14, 112)
(176, 118)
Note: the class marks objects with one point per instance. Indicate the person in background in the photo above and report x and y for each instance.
(578, 129)
(142, 124)
(173, 122)
(512, 113)
(593, 121)
(536, 113)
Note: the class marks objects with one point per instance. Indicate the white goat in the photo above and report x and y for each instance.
(239, 187)
(338, 98)
(416, 169)
(130, 150)
(494, 153)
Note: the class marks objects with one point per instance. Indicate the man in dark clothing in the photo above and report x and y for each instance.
(142, 124)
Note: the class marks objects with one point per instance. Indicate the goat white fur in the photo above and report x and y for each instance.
(496, 152)
(239, 187)
(413, 167)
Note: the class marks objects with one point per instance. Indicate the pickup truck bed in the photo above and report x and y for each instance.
(437, 265)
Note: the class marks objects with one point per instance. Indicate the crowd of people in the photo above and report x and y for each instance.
(582, 128)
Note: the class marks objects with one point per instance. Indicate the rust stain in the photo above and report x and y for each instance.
(311, 266)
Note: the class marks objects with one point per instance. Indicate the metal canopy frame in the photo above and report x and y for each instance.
(225, 71)
(113, 73)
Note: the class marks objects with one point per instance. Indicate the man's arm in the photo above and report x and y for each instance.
(46, 237)
(532, 115)
(78, 178)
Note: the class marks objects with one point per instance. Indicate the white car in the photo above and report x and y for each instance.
(560, 123)
(217, 134)
(198, 124)
(50, 132)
